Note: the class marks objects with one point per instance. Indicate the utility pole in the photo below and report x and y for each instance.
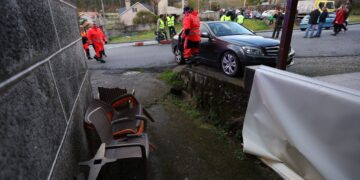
(182, 4)
(199, 6)
(102, 7)
(287, 33)
(103, 13)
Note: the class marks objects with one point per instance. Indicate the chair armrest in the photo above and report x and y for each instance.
(147, 114)
(120, 120)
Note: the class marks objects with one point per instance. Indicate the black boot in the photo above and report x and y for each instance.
(99, 59)
(188, 62)
(195, 60)
(88, 54)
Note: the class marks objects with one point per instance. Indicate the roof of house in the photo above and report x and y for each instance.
(123, 9)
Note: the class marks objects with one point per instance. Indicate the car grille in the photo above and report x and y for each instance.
(272, 50)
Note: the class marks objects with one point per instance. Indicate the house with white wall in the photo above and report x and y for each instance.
(165, 8)
(128, 13)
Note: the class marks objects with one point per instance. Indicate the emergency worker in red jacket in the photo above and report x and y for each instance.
(191, 34)
(95, 36)
(85, 42)
(339, 20)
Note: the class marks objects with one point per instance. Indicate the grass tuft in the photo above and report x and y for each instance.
(171, 79)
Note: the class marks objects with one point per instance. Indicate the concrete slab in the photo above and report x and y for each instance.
(348, 80)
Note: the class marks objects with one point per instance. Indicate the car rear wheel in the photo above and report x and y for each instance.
(230, 64)
(179, 59)
(302, 29)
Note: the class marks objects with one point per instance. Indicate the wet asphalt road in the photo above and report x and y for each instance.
(344, 44)
(124, 56)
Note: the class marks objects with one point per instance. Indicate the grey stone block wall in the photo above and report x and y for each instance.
(44, 90)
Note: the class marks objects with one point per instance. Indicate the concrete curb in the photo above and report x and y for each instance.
(265, 31)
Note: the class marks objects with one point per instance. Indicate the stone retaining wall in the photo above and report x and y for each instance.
(44, 90)
(224, 98)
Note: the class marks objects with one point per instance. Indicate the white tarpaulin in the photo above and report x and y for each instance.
(303, 128)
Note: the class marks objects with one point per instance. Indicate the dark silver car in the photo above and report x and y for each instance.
(232, 47)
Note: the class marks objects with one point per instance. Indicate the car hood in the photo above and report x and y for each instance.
(250, 40)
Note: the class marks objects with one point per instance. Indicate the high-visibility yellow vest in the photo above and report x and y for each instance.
(170, 21)
(240, 19)
(225, 18)
(162, 24)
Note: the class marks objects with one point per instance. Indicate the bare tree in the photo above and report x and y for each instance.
(155, 4)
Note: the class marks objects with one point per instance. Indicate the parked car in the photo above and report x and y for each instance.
(328, 24)
(232, 47)
(256, 15)
(268, 13)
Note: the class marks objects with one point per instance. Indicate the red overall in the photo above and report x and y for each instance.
(95, 36)
(191, 34)
(84, 41)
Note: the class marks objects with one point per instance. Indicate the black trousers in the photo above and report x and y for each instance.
(337, 28)
(172, 31)
(163, 32)
(276, 31)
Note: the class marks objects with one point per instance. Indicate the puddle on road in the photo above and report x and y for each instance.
(131, 73)
(186, 150)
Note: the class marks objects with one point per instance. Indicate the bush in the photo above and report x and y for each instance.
(215, 6)
(144, 17)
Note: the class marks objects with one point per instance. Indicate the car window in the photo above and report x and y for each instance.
(203, 29)
(228, 29)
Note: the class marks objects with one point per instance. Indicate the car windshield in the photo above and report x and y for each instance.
(228, 29)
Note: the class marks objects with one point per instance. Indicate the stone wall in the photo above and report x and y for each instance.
(223, 98)
(44, 90)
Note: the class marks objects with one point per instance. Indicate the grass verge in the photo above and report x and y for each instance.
(147, 35)
(256, 25)
(171, 79)
(141, 36)
(354, 18)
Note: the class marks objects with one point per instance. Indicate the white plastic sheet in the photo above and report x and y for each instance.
(303, 128)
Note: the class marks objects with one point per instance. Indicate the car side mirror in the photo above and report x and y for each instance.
(205, 35)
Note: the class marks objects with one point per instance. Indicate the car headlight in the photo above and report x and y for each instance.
(253, 51)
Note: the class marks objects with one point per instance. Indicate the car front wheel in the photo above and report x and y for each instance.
(230, 64)
(178, 56)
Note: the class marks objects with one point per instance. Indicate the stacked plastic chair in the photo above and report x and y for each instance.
(120, 121)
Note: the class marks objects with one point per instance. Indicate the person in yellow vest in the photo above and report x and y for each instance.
(171, 25)
(240, 18)
(160, 27)
(227, 16)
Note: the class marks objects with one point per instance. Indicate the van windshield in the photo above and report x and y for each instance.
(330, 5)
